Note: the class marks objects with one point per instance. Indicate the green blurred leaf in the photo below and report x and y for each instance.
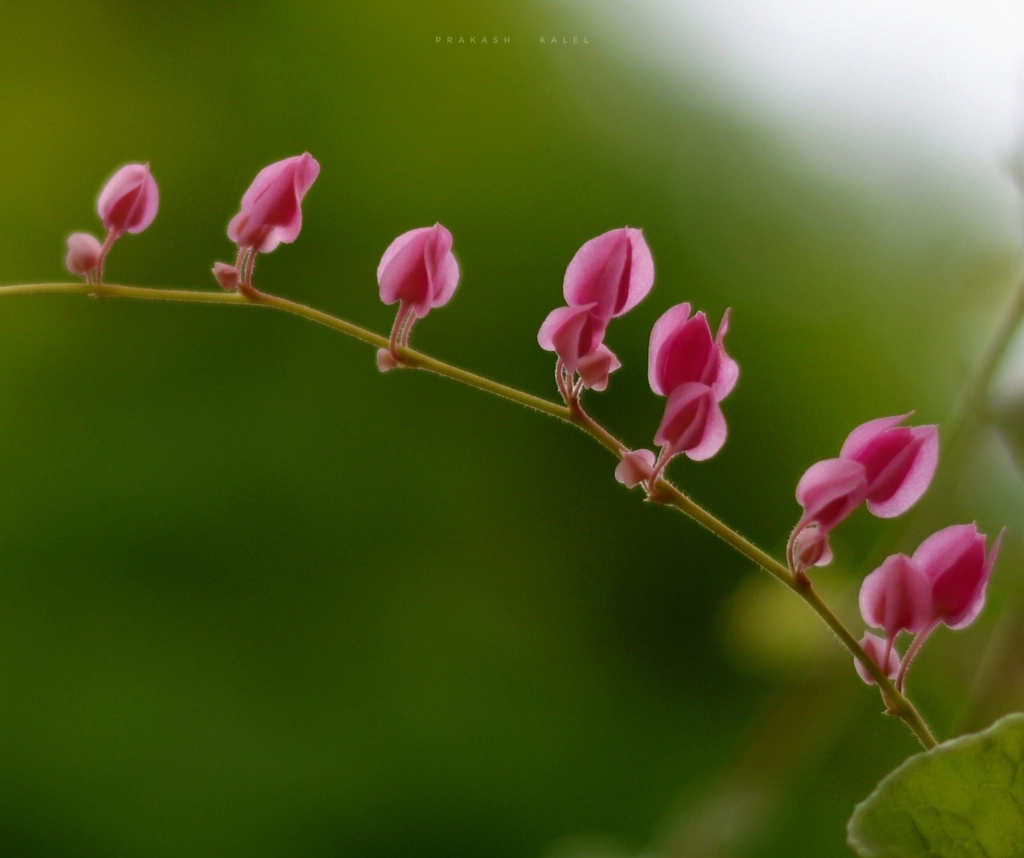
(963, 799)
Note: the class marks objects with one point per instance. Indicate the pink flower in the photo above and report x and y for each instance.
(899, 462)
(636, 467)
(896, 597)
(879, 652)
(607, 277)
(683, 350)
(271, 210)
(419, 272)
(271, 214)
(693, 424)
(84, 253)
(955, 564)
(129, 201)
(888, 465)
(614, 272)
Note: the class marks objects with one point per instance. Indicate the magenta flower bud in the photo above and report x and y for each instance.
(811, 548)
(129, 201)
(830, 490)
(635, 467)
(84, 253)
(955, 564)
(419, 270)
(896, 597)
(693, 424)
(899, 462)
(614, 272)
(682, 350)
(228, 276)
(271, 211)
(880, 653)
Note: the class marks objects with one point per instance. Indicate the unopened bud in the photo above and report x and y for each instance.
(227, 276)
(83, 253)
(811, 548)
(636, 467)
(386, 360)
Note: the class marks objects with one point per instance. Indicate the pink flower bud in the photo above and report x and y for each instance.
(636, 467)
(227, 275)
(693, 423)
(129, 201)
(419, 270)
(896, 597)
(84, 253)
(955, 564)
(876, 649)
(386, 361)
(830, 490)
(596, 367)
(683, 350)
(271, 211)
(811, 548)
(614, 272)
(899, 462)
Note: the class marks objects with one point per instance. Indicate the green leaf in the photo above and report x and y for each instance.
(963, 799)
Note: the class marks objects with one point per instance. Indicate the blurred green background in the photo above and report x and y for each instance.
(257, 599)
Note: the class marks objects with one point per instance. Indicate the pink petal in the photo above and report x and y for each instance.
(442, 269)
(896, 597)
(728, 372)
(908, 476)
(401, 274)
(970, 613)
(684, 355)
(715, 432)
(614, 270)
(446, 281)
(940, 550)
(669, 322)
(860, 437)
(830, 490)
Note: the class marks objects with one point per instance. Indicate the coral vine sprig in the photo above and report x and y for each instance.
(127, 203)
(418, 272)
(271, 214)
(883, 464)
(944, 582)
(608, 276)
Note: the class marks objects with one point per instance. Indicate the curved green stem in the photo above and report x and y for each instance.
(664, 492)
